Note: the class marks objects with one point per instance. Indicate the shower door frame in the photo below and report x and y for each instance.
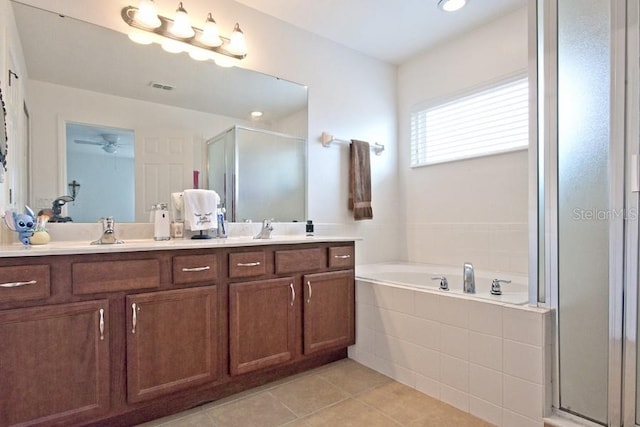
(623, 229)
(632, 236)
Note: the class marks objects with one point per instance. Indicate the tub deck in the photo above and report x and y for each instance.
(419, 276)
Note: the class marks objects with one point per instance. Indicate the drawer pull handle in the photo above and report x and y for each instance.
(248, 264)
(293, 294)
(134, 318)
(310, 291)
(190, 269)
(101, 324)
(18, 284)
(342, 256)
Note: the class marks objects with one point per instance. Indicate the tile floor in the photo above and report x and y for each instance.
(343, 393)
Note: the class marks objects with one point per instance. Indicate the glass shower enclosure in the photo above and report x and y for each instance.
(258, 174)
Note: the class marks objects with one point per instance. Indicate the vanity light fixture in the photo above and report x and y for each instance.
(178, 35)
(451, 5)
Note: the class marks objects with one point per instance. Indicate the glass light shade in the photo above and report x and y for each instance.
(237, 44)
(451, 5)
(223, 60)
(140, 37)
(210, 35)
(199, 54)
(181, 24)
(172, 46)
(256, 114)
(147, 14)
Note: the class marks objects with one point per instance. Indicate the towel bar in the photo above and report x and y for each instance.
(326, 139)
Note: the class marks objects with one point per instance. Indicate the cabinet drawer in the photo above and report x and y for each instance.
(300, 260)
(341, 256)
(24, 283)
(247, 264)
(113, 276)
(195, 268)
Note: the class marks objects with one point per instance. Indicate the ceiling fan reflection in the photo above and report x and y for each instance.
(110, 143)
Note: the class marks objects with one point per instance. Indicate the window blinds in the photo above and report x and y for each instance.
(492, 120)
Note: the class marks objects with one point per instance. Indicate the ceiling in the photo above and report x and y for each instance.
(73, 53)
(390, 30)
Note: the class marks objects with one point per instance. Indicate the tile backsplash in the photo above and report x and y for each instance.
(489, 246)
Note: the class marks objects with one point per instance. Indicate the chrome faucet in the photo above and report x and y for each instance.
(444, 284)
(468, 279)
(108, 232)
(495, 286)
(265, 233)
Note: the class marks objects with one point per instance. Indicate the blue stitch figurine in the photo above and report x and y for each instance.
(22, 223)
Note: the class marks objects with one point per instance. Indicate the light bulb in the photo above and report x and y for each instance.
(451, 5)
(140, 37)
(199, 54)
(210, 34)
(237, 44)
(223, 61)
(181, 24)
(147, 14)
(172, 46)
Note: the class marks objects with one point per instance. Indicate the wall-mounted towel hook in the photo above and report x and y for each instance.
(326, 139)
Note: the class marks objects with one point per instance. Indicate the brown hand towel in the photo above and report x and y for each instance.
(360, 180)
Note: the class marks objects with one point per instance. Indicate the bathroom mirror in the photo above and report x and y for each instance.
(82, 73)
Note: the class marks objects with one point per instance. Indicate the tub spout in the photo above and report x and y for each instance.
(469, 282)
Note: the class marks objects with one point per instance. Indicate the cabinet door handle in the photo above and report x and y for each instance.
(101, 322)
(190, 269)
(17, 284)
(134, 318)
(342, 256)
(310, 291)
(248, 264)
(293, 294)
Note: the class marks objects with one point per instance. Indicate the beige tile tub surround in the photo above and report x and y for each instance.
(344, 393)
(491, 360)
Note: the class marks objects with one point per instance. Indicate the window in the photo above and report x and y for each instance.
(489, 121)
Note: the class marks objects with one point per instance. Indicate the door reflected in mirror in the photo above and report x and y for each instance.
(100, 172)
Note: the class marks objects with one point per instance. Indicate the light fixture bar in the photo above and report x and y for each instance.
(128, 16)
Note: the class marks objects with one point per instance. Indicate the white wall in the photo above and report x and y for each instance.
(350, 95)
(471, 210)
(52, 104)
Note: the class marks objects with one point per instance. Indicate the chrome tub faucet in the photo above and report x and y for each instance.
(468, 279)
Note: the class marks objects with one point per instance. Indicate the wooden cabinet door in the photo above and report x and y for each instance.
(328, 310)
(172, 339)
(262, 324)
(54, 364)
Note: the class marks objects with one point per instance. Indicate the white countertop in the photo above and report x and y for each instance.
(85, 247)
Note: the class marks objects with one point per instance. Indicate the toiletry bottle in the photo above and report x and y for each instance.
(309, 228)
(161, 222)
(40, 234)
(221, 232)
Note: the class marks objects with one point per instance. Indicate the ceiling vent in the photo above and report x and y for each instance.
(162, 86)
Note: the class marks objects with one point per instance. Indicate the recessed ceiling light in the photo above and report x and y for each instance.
(256, 114)
(451, 5)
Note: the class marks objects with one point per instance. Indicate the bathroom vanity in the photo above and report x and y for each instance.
(128, 333)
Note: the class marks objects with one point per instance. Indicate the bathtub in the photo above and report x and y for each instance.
(487, 355)
(419, 276)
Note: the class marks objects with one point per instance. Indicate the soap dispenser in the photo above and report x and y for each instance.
(161, 223)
